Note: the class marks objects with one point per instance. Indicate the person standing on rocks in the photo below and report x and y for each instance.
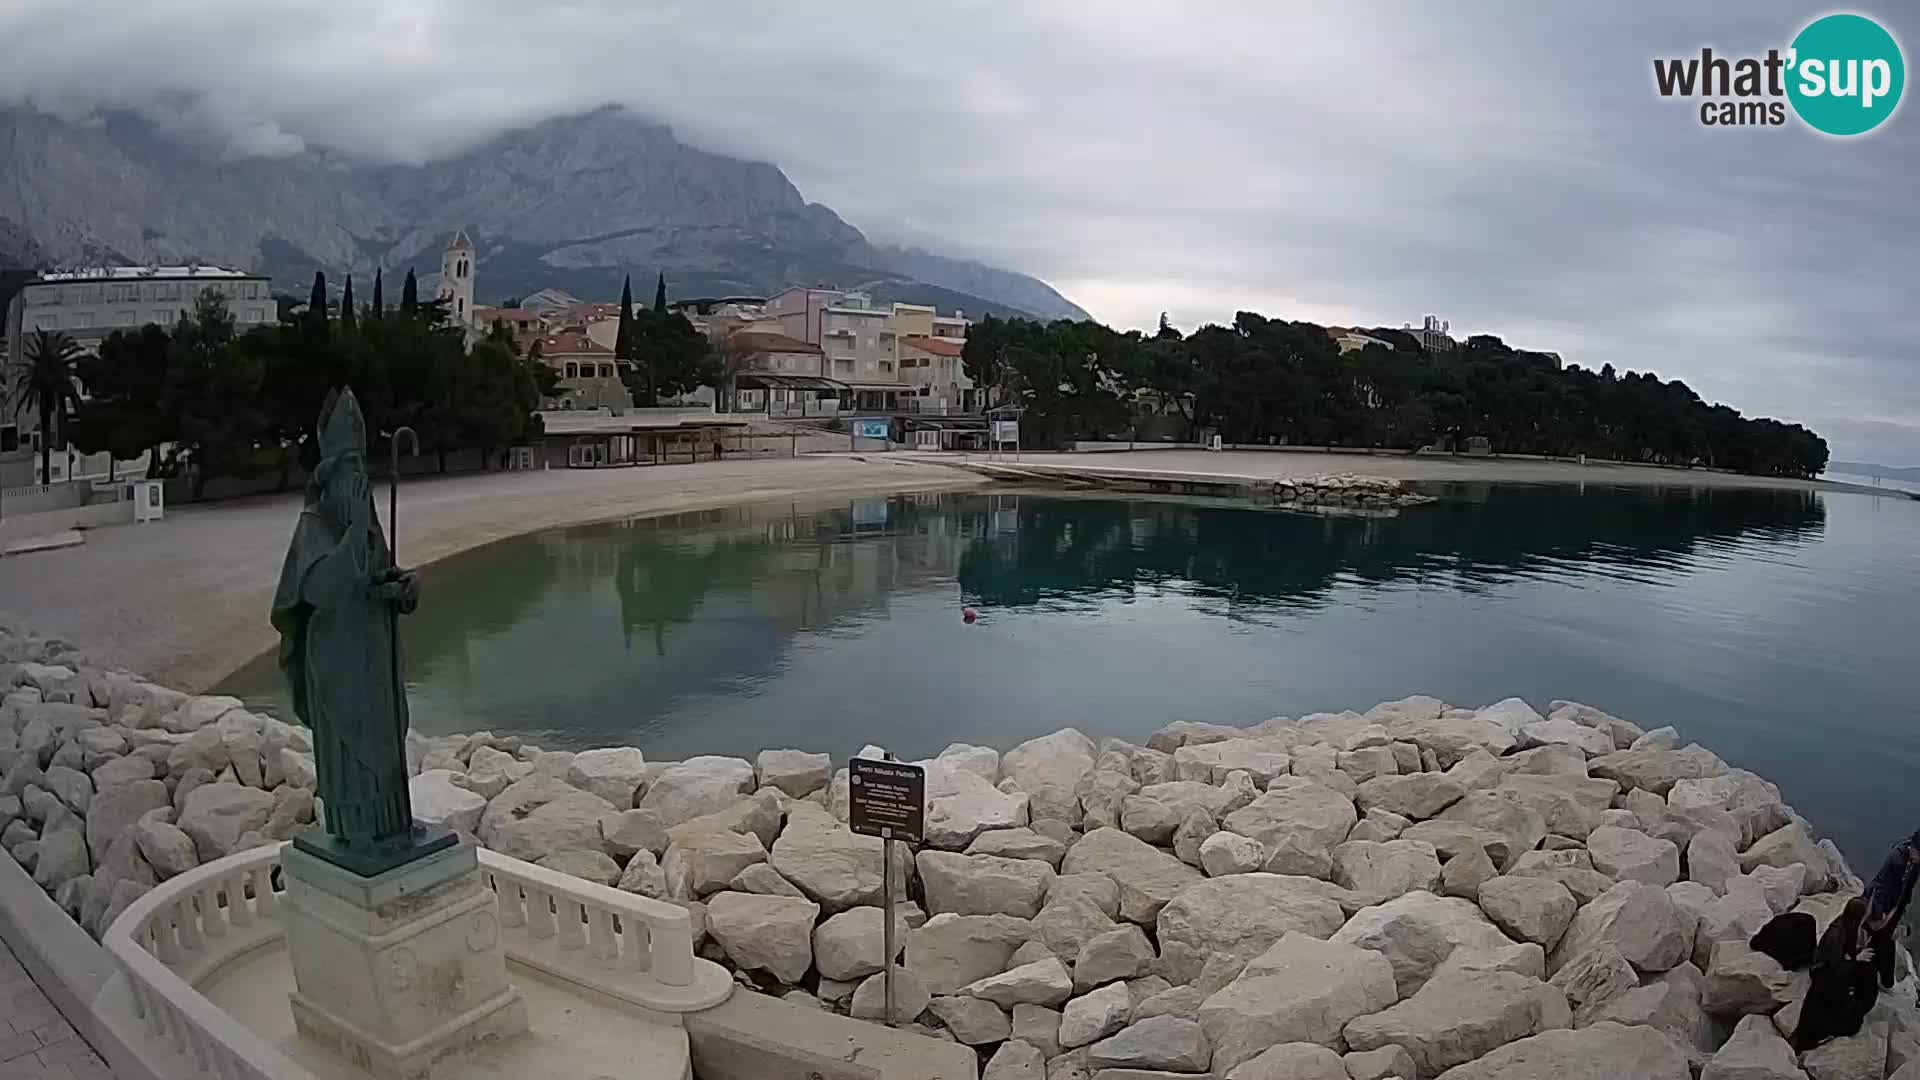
(1842, 991)
(1887, 899)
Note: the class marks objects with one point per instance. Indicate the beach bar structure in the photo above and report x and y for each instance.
(605, 438)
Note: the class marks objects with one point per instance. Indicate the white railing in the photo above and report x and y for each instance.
(179, 931)
(632, 948)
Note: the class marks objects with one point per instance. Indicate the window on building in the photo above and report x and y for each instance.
(460, 306)
(573, 371)
(164, 316)
(125, 318)
(9, 437)
(46, 322)
(606, 371)
(83, 320)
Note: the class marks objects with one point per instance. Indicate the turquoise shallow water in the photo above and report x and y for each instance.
(1779, 628)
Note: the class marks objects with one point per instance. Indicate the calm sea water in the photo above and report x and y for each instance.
(1778, 628)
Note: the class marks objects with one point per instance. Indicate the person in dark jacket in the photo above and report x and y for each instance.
(1887, 898)
(1843, 990)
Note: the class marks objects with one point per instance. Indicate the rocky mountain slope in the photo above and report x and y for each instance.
(575, 202)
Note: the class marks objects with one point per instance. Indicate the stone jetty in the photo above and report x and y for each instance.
(1414, 891)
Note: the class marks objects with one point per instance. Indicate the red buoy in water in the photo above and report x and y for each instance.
(968, 615)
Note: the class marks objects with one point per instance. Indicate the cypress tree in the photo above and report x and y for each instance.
(317, 299)
(409, 294)
(379, 302)
(347, 316)
(660, 292)
(623, 338)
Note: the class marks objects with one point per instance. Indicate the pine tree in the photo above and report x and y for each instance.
(379, 301)
(410, 294)
(317, 299)
(623, 338)
(347, 316)
(660, 292)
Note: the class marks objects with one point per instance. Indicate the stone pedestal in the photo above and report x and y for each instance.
(398, 970)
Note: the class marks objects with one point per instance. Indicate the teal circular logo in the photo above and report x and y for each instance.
(1846, 74)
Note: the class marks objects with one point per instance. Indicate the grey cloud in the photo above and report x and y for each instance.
(1508, 166)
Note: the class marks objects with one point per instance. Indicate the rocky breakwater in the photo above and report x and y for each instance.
(1416, 891)
(1347, 490)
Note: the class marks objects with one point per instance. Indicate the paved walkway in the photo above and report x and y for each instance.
(36, 1043)
(185, 601)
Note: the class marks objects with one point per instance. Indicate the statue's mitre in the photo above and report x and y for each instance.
(342, 428)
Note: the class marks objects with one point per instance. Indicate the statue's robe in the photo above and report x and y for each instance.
(341, 658)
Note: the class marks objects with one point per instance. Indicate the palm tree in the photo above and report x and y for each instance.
(45, 379)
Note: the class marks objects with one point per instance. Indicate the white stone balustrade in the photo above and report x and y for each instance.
(185, 930)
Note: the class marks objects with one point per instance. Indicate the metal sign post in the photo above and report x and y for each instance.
(887, 799)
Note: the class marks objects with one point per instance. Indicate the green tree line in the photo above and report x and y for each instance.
(208, 401)
(1275, 381)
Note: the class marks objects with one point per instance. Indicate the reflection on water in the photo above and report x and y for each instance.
(1762, 623)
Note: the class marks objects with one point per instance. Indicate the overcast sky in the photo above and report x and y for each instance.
(1506, 166)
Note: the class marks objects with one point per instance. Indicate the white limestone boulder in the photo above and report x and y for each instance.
(948, 952)
(1164, 1043)
(1386, 1063)
(796, 772)
(1121, 953)
(1755, 1052)
(1564, 731)
(1419, 930)
(1226, 853)
(616, 774)
(1093, 1016)
(1529, 909)
(1301, 989)
(540, 815)
(962, 804)
(1285, 1061)
(115, 809)
(216, 816)
(1016, 1060)
(1263, 759)
(439, 803)
(773, 934)
(1785, 846)
(168, 850)
(1043, 982)
(832, 865)
(1743, 981)
(983, 884)
(1570, 806)
(1019, 843)
(696, 786)
(625, 832)
(1239, 917)
(869, 1001)
(644, 876)
(1049, 770)
(1456, 1018)
(1417, 797)
(1635, 918)
(1593, 978)
(1656, 770)
(973, 1021)
(1860, 1056)
(1711, 859)
(1377, 872)
(1601, 1052)
(1299, 810)
(700, 863)
(1146, 876)
(1631, 855)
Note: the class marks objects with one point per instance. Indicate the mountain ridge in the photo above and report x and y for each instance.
(574, 201)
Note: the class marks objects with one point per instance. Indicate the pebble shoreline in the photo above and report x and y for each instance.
(1414, 891)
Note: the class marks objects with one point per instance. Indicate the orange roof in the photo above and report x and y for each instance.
(933, 345)
(567, 344)
(593, 312)
(767, 341)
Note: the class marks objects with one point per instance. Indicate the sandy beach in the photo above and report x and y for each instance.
(1282, 464)
(185, 601)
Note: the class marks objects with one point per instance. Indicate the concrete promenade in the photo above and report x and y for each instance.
(184, 601)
